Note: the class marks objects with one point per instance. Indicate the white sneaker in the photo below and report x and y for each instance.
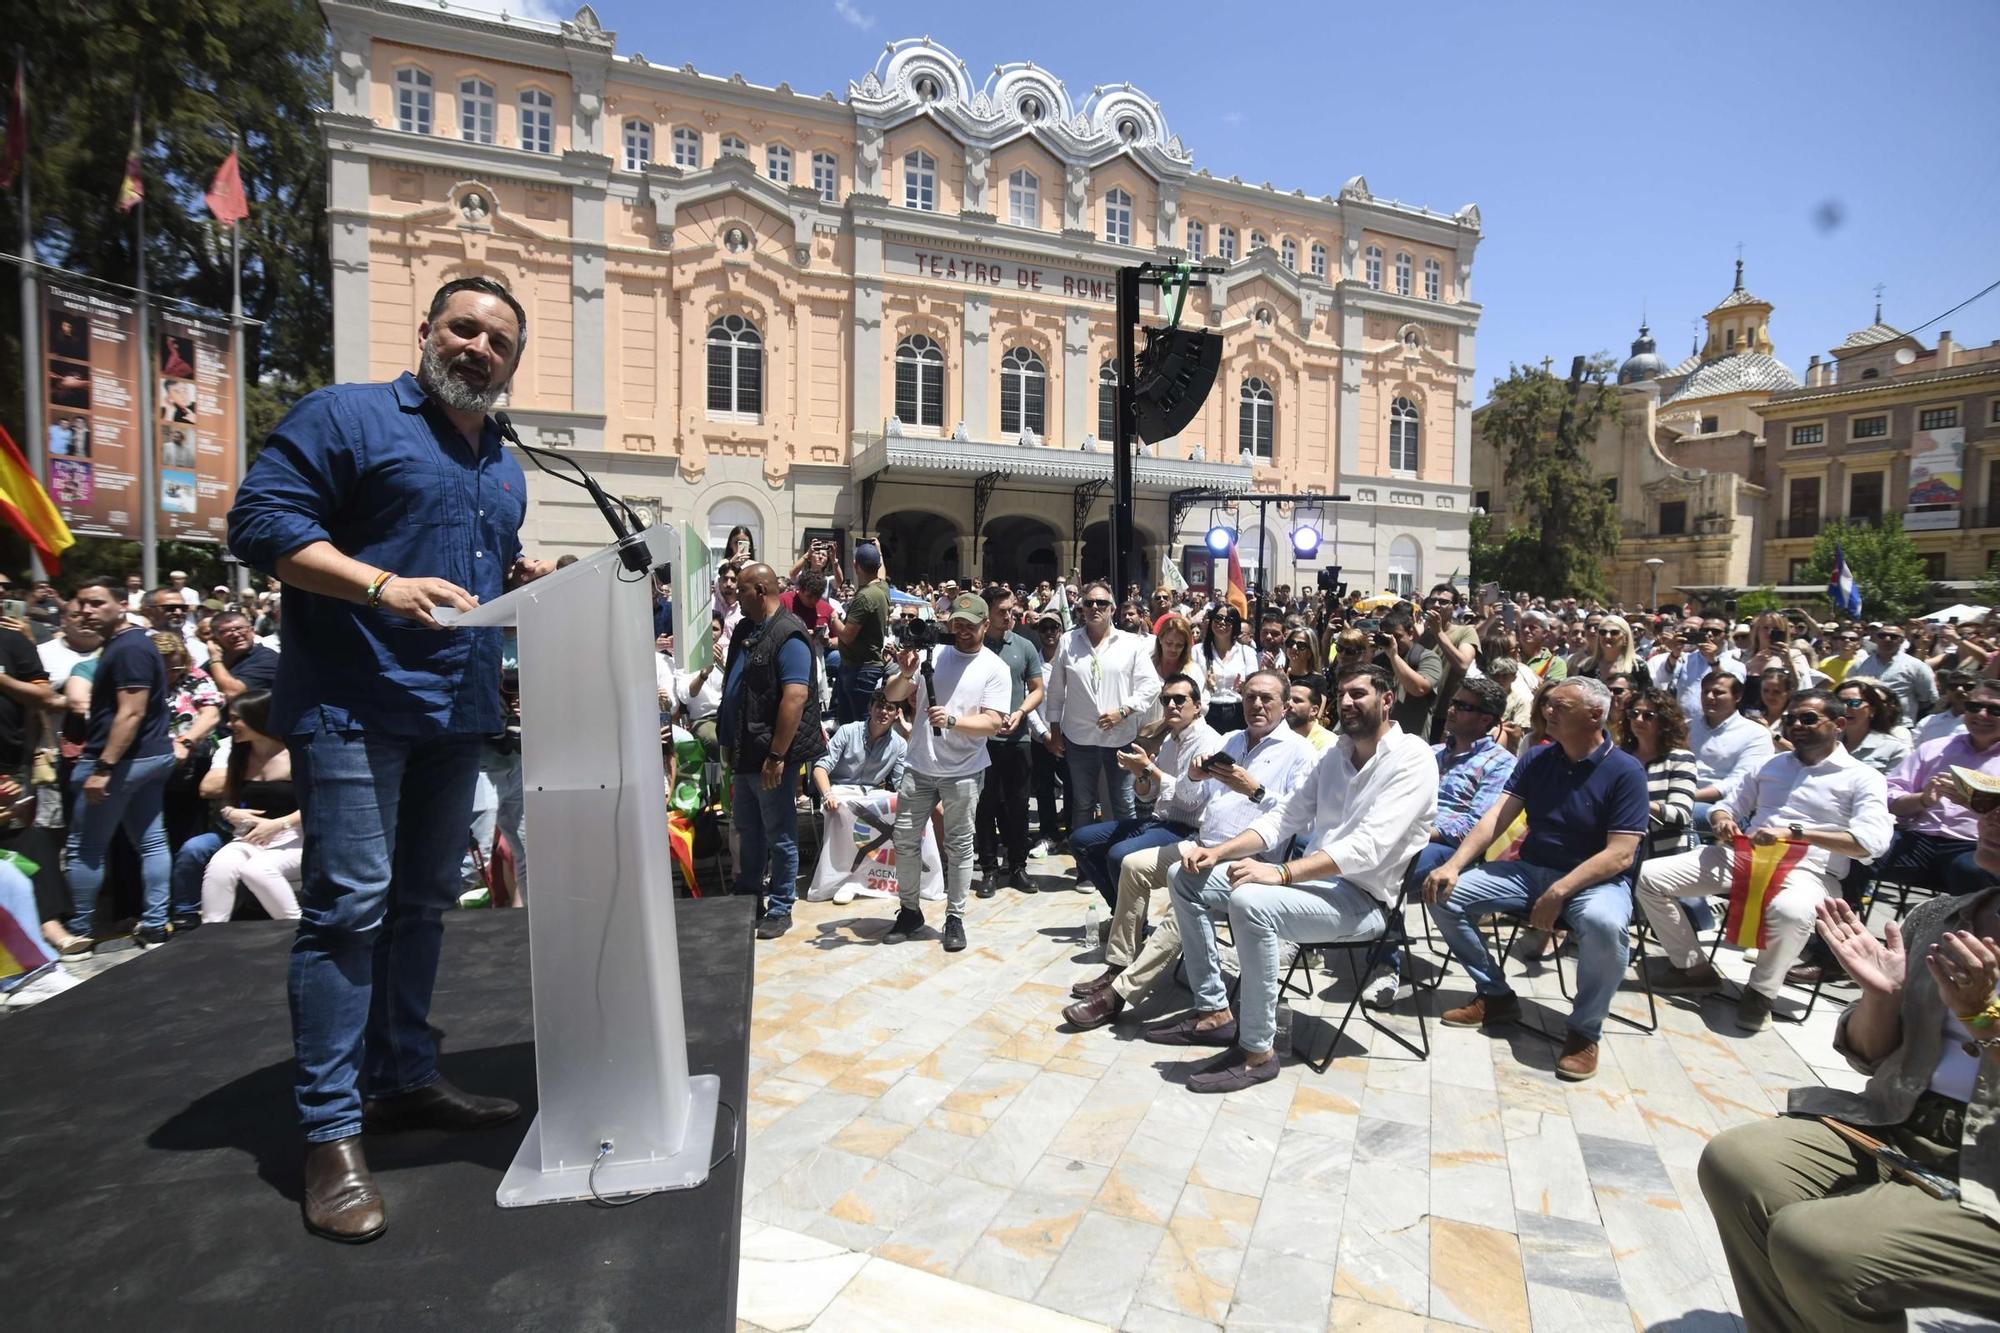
(844, 894)
(1039, 851)
(53, 980)
(1383, 988)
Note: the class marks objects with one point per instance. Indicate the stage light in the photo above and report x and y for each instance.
(1220, 538)
(1305, 540)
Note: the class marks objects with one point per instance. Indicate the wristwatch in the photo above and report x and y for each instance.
(1798, 832)
(1257, 797)
(950, 723)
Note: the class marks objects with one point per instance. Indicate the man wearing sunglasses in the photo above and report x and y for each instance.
(1954, 687)
(1907, 677)
(1846, 653)
(1101, 683)
(1817, 795)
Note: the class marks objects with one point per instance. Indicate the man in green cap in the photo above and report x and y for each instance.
(960, 701)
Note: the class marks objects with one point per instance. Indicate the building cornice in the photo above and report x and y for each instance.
(1811, 400)
(875, 455)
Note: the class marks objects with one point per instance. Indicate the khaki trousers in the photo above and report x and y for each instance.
(1819, 1240)
(1143, 875)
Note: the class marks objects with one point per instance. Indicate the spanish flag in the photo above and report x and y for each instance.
(1507, 847)
(680, 837)
(27, 507)
(1757, 876)
(132, 186)
(1235, 595)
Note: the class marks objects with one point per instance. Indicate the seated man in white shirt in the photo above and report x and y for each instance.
(1229, 784)
(1368, 802)
(1817, 794)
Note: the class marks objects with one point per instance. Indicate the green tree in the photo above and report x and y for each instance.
(259, 69)
(1759, 600)
(1884, 563)
(1541, 425)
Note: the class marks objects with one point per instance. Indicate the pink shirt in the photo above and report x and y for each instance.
(1946, 819)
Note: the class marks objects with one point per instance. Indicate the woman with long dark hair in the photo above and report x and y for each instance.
(1221, 661)
(740, 544)
(1869, 730)
(1653, 730)
(259, 802)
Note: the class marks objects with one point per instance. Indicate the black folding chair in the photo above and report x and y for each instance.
(1394, 933)
(1636, 960)
(1812, 998)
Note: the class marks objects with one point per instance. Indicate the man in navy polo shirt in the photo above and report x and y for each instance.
(1586, 803)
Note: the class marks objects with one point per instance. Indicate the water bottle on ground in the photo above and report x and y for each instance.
(1092, 916)
(1281, 1041)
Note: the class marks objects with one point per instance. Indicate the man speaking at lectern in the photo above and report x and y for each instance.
(377, 504)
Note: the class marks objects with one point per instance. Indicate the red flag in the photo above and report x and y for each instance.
(26, 507)
(1235, 594)
(16, 156)
(225, 194)
(133, 188)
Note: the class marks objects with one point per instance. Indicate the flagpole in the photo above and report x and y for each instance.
(149, 481)
(236, 359)
(31, 320)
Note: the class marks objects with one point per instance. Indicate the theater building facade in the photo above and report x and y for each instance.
(889, 313)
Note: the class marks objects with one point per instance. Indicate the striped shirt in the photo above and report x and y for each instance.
(1670, 784)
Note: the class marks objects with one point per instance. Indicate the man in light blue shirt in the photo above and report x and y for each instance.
(1727, 745)
(867, 754)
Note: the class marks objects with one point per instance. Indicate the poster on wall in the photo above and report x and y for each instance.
(90, 400)
(195, 402)
(1937, 479)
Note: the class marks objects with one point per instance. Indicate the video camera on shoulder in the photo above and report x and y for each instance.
(919, 634)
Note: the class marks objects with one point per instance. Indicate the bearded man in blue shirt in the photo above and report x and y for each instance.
(378, 505)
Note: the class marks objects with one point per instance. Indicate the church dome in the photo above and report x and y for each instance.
(1739, 372)
(1645, 363)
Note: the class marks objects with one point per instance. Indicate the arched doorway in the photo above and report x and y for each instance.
(919, 547)
(1019, 550)
(1094, 561)
(1096, 556)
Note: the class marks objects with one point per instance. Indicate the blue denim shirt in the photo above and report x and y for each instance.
(383, 475)
(1468, 784)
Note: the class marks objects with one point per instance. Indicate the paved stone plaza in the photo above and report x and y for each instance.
(928, 1151)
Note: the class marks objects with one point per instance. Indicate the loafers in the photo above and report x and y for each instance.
(1185, 1033)
(1083, 990)
(1095, 1010)
(1232, 1073)
(437, 1105)
(341, 1201)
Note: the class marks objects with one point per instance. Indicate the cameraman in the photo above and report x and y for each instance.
(962, 698)
(1416, 670)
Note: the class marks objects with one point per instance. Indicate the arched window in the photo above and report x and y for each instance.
(1403, 273)
(1257, 419)
(1118, 218)
(1197, 239)
(1317, 257)
(920, 382)
(733, 144)
(413, 100)
(1433, 280)
(1258, 241)
(1024, 198)
(1225, 244)
(920, 181)
(1405, 566)
(778, 163)
(1371, 267)
(1024, 384)
(1403, 436)
(538, 121)
(735, 369)
(477, 111)
(687, 148)
(826, 177)
(1288, 254)
(638, 144)
(726, 517)
(1107, 401)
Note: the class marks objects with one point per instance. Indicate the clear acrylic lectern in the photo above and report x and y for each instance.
(610, 1043)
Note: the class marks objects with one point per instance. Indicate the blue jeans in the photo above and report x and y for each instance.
(1598, 917)
(189, 863)
(384, 822)
(767, 837)
(1088, 766)
(1428, 858)
(138, 790)
(1101, 848)
(857, 687)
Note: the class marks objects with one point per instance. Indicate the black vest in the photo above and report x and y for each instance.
(761, 691)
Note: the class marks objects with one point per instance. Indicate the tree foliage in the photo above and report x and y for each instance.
(198, 71)
(1569, 525)
(1884, 562)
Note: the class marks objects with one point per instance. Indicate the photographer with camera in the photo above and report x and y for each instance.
(962, 698)
(1416, 670)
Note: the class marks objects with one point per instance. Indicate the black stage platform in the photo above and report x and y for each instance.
(149, 1161)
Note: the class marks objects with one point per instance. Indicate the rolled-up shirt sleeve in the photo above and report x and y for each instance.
(1292, 815)
(1868, 817)
(1408, 797)
(1493, 776)
(306, 469)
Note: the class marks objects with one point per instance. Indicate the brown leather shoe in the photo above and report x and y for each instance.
(341, 1200)
(1095, 1011)
(437, 1105)
(1484, 1011)
(1083, 990)
(1578, 1060)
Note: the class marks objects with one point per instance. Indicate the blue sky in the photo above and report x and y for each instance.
(1618, 153)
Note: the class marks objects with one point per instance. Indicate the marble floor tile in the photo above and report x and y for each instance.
(1237, 1154)
(1297, 1220)
(887, 1297)
(1280, 1292)
(1023, 1243)
(931, 1155)
(1193, 1272)
(942, 1230)
(1099, 1272)
(1476, 1277)
(1009, 1150)
(1385, 1235)
(785, 1280)
(1548, 1172)
(1573, 1282)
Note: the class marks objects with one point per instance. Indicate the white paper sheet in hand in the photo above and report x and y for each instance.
(860, 849)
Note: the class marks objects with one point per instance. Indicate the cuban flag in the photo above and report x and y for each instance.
(1841, 589)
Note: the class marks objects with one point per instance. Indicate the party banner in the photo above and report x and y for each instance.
(90, 400)
(694, 597)
(195, 401)
(1937, 479)
(859, 849)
